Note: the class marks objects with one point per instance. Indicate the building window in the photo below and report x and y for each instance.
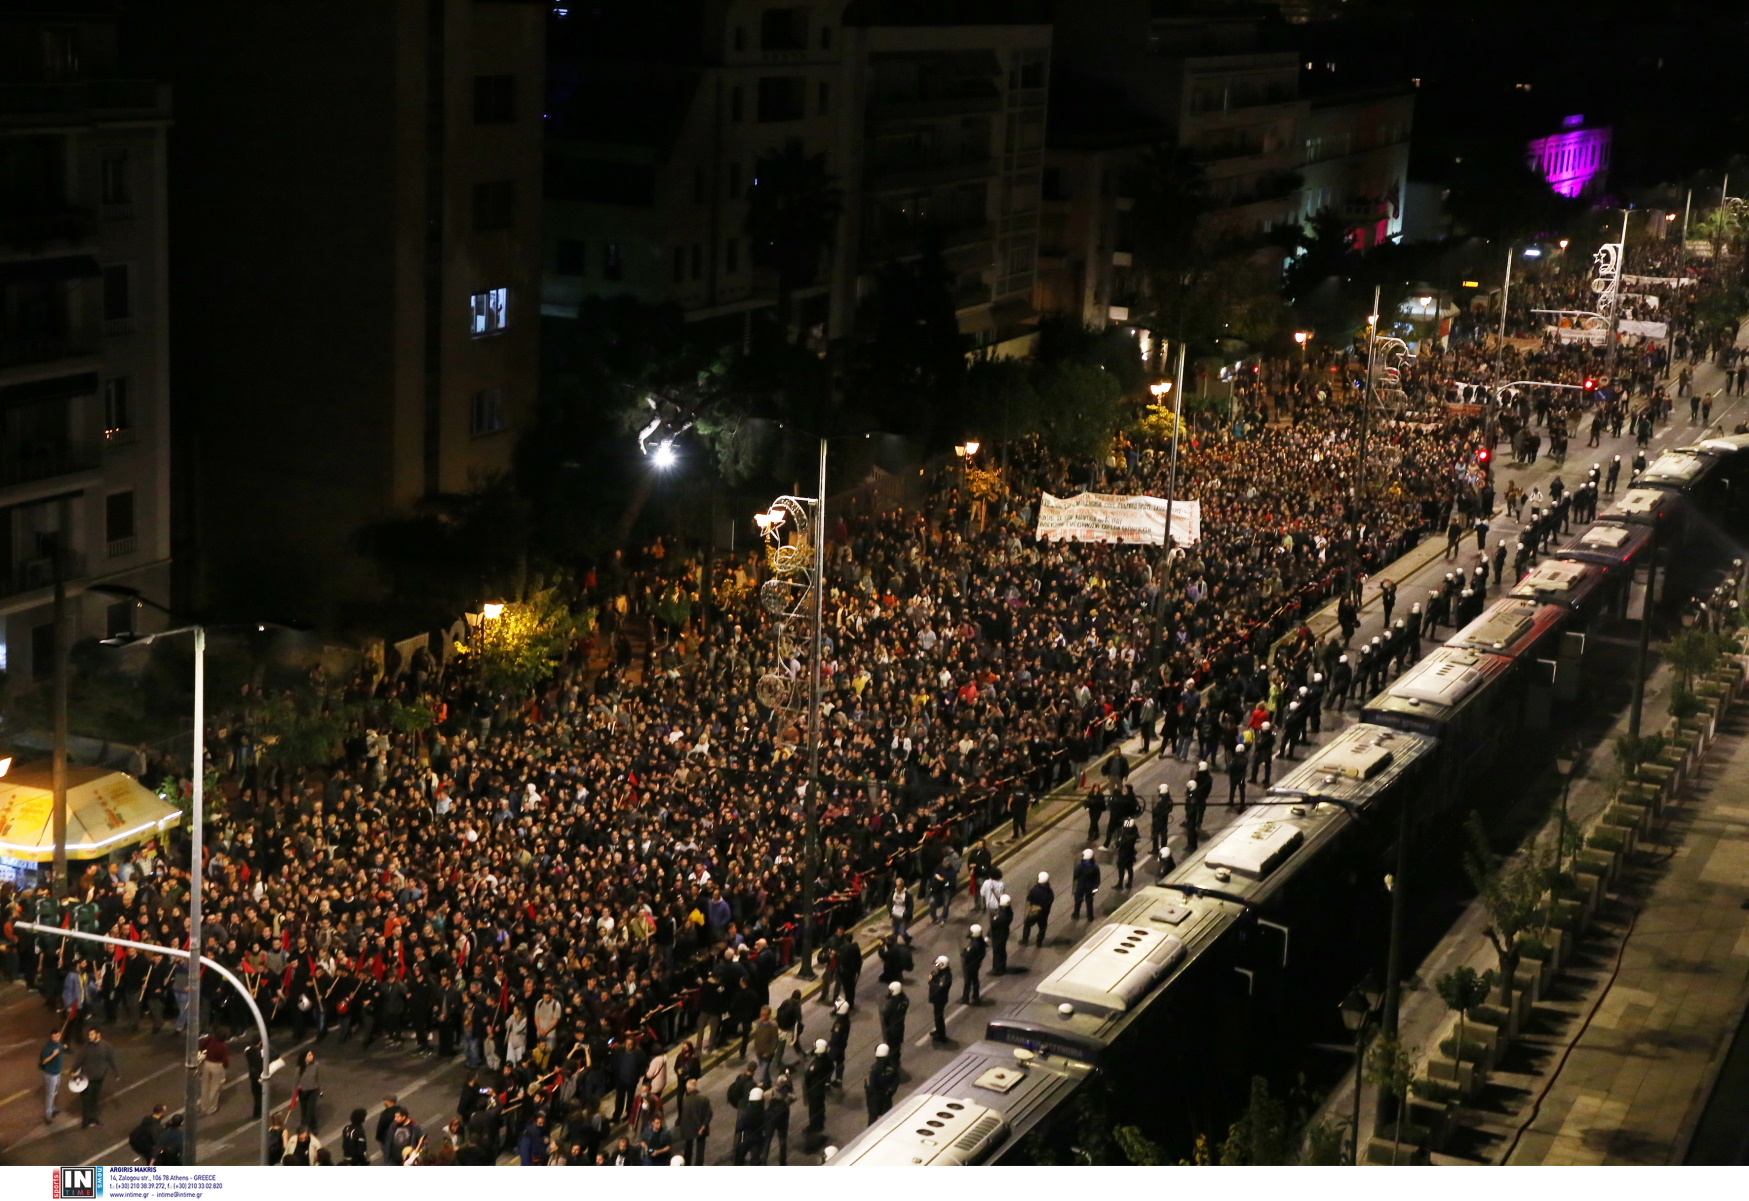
(782, 29)
(740, 38)
(60, 45)
(781, 98)
(734, 104)
(118, 413)
(118, 299)
(115, 188)
(572, 258)
(488, 415)
(825, 37)
(735, 180)
(612, 261)
(825, 97)
(731, 256)
(118, 523)
(494, 205)
(680, 264)
(494, 99)
(488, 312)
(118, 618)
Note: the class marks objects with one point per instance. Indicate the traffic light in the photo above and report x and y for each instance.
(1483, 454)
(1590, 384)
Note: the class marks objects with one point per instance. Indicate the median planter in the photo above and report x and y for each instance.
(1571, 917)
(1637, 816)
(1658, 776)
(1436, 1118)
(1606, 864)
(1534, 974)
(1466, 1078)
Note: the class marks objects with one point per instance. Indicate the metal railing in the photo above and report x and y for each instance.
(33, 574)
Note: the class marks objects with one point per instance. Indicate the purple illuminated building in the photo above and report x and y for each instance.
(1575, 161)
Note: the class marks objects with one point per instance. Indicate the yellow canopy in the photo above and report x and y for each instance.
(106, 811)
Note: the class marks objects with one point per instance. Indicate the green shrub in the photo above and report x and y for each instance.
(1606, 840)
(1438, 1092)
(1532, 947)
(1473, 1050)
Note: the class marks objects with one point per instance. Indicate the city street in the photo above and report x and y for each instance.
(428, 1087)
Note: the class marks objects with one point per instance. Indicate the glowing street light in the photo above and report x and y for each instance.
(966, 450)
(492, 610)
(1160, 389)
(1300, 336)
(663, 456)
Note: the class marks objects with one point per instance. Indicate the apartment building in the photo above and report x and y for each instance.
(953, 133)
(657, 124)
(357, 276)
(1356, 161)
(1095, 145)
(84, 329)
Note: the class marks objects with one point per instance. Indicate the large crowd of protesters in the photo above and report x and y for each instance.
(563, 886)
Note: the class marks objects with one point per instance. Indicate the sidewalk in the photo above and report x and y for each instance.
(1631, 1059)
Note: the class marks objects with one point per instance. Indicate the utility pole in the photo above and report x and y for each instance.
(1687, 203)
(1372, 338)
(1645, 633)
(811, 817)
(1614, 294)
(1157, 651)
(58, 764)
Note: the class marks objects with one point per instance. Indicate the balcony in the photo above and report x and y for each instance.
(923, 173)
(45, 459)
(34, 574)
(119, 547)
(38, 229)
(74, 99)
(22, 350)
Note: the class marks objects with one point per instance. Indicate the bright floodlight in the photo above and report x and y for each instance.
(492, 610)
(664, 456)
(1535, 252)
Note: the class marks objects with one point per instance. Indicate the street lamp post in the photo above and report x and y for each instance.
(1177, 390)
(965, 451)
(190, 1107)
(197, 840)
(1358, 1009)
(1567, 763)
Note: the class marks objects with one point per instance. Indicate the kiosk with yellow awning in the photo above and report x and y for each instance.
(106, 811)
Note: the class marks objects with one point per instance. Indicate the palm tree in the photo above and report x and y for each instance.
(792, 218)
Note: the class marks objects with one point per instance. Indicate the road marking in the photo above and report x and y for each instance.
(23, 1092)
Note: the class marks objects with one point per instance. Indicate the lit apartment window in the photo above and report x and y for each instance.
(116, 189)
(118, 523)
(488, 415)
(572, 258)
(494, 99)
(494, 205)
(612, 261)
(118, 412)
(488, 312)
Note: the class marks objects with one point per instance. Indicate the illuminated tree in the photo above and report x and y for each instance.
(521, 646)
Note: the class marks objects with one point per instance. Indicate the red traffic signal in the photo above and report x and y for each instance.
(1483, 454)
(1591, 385)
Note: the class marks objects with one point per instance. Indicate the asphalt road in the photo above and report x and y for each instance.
(430, 1087)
